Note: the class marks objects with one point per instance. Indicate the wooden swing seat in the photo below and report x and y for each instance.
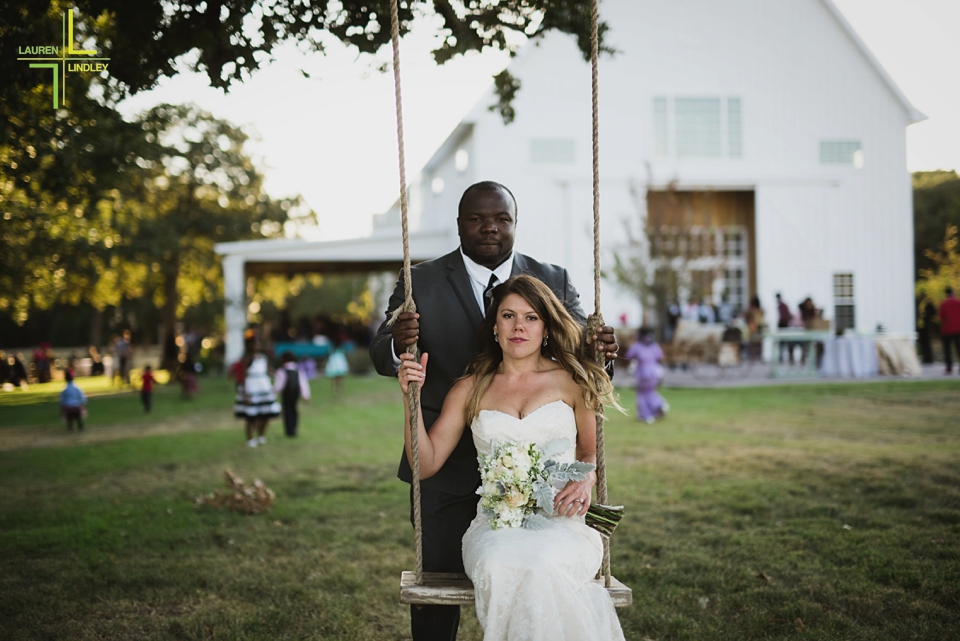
(441, 588)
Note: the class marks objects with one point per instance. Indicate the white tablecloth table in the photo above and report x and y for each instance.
(849, 357)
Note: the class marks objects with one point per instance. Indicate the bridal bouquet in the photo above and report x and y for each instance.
(517, 480)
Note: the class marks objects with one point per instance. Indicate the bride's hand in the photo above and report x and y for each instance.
(411, 370)
(574, 498)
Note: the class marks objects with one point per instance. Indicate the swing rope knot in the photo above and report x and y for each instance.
(594, 323)
(407, 306)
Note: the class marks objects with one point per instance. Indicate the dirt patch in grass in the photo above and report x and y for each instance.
(16, 438)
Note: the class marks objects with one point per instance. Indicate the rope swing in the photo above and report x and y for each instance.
(413, 390)
(419, 588)
(595, 320)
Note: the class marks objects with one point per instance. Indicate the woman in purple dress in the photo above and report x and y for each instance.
(648, 355)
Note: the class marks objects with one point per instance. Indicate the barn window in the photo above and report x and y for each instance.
(461, 160)
(698, 127)
(545, 151)
(844, 310)
(735, 287)
(841, 152)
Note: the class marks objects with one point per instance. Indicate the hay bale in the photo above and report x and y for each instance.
(238, 497)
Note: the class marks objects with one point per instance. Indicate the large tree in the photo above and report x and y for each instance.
(95, 209)
(936, 207)
(230, 39)
(202, 189)
(946, 268)
(60, 171)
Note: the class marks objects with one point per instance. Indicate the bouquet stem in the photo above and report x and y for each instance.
(604, 518)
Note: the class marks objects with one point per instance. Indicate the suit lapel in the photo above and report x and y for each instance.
(519, 265)
(458, 277)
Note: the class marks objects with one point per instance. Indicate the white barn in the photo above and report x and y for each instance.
(770, 121)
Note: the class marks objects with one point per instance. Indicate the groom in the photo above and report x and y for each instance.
(451, 293)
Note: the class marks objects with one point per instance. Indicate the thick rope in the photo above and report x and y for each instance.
(594, 56)
(413, 390)
(595, 321)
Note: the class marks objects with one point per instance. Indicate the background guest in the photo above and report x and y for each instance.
(337, 366)
(926, 327)
(950, 327)
(73, 404)
(146, 389)
(187, 375)
(291, 385)
(256, 401)
(648, 356)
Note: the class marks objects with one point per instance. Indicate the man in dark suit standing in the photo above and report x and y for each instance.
(451, 293)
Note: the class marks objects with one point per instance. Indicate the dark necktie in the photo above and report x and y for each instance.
(488, 292)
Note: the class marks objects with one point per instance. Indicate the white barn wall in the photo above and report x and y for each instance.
(555, 201)
(440, 209)
(800, 79)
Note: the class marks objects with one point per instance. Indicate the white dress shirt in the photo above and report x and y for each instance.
(480, 276)
(479, 279)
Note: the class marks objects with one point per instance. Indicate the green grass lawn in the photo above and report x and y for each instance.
(804, 512)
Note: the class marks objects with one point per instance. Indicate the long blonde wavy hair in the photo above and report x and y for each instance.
(565, 345)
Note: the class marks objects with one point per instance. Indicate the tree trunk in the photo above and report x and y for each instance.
(169, 360)
(96, 327)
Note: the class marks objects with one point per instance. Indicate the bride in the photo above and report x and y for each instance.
(529, 382)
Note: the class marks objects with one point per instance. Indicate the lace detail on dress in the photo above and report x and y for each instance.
(536, 585)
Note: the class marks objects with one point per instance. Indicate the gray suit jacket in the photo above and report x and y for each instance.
(449, 319)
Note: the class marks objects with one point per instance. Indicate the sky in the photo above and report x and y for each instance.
(332, 137)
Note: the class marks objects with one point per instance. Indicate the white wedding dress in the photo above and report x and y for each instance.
(537, 585)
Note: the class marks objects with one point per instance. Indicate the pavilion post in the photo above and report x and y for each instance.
(235, 305)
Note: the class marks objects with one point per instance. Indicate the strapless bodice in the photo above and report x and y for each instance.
(551, 421)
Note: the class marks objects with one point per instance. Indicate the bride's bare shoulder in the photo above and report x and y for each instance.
(459, 395)
(564, 381)
(463, 386)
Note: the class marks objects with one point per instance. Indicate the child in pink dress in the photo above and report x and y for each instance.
(648, 355)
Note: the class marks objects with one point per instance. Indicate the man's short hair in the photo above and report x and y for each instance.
(948, 291)
(486, 185)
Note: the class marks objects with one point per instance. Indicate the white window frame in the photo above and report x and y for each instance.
(665, 135)
(844, 297)
(844, 152)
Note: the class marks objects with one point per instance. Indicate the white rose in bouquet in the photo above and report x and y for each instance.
(514, 498)
(522, 461)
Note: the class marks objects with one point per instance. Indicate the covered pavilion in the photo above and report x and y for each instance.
(380, 252)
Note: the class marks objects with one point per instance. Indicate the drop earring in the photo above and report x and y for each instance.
(544, 340)
(496, 336)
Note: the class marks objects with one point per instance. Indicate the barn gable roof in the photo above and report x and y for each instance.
(914, 114)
